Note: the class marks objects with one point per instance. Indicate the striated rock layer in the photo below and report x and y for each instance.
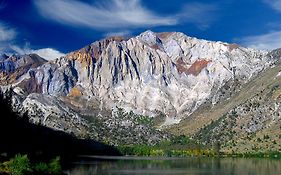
(168, 73)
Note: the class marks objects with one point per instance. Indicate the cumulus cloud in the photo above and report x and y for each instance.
(47, 53)
(268, 41)
(117, 14)
(8, 36)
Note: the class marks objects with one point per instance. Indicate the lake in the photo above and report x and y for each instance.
(177, 166)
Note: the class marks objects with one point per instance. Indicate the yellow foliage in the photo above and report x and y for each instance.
(157, 152)
(75, 92)
(4, 167)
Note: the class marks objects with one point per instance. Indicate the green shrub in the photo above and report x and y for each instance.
(19, 165)
(41, 168)
(55, 167)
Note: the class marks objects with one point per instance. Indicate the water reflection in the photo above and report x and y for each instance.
(189, 166)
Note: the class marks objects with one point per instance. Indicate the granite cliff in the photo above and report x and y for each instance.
(146, 83)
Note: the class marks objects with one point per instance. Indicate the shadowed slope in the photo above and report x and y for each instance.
(19, 136)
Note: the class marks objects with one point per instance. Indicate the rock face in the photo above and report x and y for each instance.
(253, 124)
(154, 73)
(167, 72)
(13, 68)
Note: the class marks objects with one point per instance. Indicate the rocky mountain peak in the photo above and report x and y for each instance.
(116, 85)
(167, 72)
(149, 38)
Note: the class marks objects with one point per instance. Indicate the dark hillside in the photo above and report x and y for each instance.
(17, 135)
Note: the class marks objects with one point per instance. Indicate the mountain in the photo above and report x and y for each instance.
(14, 67)
(18, 135)
(153, 84)
(250, 121)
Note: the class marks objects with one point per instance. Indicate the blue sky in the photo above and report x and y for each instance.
(53, 27)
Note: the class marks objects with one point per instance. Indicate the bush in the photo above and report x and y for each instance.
(19, 165)
(54, 166)
(41, 168)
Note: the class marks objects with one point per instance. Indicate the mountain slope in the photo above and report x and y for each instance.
(14, 67)
(251, 120)
(167, 76)
(209, 112)
(19, 136)
(167, 72)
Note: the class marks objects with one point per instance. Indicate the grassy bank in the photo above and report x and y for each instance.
(272, 155)
(144, 150)
(183, 146)
(179, 146)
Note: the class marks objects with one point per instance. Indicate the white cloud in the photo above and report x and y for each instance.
(47, 53)
(6, 35)
(268, 41)
(118, 33)
(108, 15)
(118, 14)
(275, 4)
(7, 38)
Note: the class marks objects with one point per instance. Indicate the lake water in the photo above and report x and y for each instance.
(177, 166)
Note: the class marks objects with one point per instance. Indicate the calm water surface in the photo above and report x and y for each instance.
(186, 166)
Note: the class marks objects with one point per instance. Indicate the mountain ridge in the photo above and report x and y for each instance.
(166, 76)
